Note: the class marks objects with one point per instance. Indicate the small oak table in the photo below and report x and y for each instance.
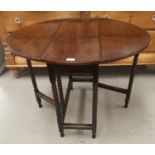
(76, 47)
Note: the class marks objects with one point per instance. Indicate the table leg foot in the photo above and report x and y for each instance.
(62, 135)
(39, 101)
(40, 106)
(93, 136)
(126, 106)
(126, 103)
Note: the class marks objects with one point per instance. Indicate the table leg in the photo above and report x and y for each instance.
(36, 91)
(61, 102)
(61, 95)
(132, 73)
(122, 90)
(58, 105)
(69, 88)
(64, 101)
(94, 105)
(71, 81)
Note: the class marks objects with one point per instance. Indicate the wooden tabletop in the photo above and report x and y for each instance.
(78, 42)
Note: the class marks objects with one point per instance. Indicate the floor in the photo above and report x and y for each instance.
(21, 121)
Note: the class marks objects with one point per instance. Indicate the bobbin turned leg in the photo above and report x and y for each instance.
(94, 105)
(55, 72)
(36, 91)
(58, 106)
(132, 73)
(61, 96)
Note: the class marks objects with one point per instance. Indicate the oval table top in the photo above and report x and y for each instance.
(78, 42)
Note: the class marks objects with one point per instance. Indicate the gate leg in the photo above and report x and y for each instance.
(132, 73)
(94, 106)
(34, 83)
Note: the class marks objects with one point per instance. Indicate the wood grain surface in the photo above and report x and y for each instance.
(78, 42)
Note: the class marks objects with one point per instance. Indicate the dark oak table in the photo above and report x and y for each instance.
(76, 47)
